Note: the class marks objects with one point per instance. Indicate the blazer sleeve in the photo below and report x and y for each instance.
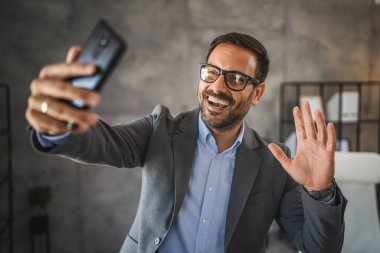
(122, 145)
(310, 225)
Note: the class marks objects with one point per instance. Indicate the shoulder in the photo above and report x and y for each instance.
(162, 116)
(163, 111)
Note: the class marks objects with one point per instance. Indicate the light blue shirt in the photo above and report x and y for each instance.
(49, 142)
(201, 221)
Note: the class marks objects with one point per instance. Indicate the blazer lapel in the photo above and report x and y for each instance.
(247, 165)
(184, 143)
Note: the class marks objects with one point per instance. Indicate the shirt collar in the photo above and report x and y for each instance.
(205, 135)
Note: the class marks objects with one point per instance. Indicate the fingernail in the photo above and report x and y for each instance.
(90, 68)
(92, 98)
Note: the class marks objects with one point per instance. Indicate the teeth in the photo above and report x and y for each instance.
(217, 101)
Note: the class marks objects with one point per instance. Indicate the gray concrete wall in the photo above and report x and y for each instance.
(93, 207)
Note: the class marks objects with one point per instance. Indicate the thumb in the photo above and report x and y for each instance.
(73, 54)
(280, 155)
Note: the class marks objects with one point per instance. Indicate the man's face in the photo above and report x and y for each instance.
(222, 108)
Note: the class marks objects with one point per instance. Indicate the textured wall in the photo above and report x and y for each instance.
(93, 207)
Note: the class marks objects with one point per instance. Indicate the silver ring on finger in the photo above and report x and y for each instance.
(44, 107)
(70, 124)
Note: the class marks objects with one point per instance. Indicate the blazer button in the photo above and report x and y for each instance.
(157, 240)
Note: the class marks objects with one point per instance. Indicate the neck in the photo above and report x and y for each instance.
(225, 138)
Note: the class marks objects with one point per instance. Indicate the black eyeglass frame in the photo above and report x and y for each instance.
(223, 72)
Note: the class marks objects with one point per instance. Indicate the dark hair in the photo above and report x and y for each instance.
(248, 42)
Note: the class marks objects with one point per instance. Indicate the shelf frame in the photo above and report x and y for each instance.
(6, 182)
(321, 86)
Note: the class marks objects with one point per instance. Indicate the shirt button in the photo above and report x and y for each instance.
(157, 240)
(204, 221)
(211, 189)
(216, 157)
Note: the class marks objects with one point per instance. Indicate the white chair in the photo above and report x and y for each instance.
(357, 174)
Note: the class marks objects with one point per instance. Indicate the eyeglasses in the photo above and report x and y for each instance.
(234, 80)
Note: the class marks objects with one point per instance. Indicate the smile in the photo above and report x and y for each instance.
(217, 102)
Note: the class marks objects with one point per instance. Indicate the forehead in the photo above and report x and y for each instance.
(232, 57)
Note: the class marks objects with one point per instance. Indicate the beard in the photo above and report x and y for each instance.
(235, 111)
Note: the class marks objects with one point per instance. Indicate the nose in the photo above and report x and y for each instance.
(219, 85)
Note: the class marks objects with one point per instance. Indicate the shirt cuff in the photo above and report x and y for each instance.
(332, 201)
(51, 141)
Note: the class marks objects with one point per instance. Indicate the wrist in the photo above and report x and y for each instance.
(322, 187)
(323, 194)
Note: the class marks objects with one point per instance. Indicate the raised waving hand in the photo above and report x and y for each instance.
(313, 164)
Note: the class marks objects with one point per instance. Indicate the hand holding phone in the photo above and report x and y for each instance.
(62, 90)
(103, 48)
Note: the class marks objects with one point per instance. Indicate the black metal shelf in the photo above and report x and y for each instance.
(291, 92)
(6, 183)
(4, 179)
(4, 226)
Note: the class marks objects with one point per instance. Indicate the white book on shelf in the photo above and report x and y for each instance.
(350, 107)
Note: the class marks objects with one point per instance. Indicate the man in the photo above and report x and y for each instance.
(210, 183)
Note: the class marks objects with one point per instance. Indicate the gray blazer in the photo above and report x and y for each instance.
(261, 190)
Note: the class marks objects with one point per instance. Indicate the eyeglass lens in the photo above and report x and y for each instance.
(234, 81)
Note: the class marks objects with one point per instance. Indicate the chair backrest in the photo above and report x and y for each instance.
(357, 167)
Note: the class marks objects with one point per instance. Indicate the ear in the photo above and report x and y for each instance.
(258, 93)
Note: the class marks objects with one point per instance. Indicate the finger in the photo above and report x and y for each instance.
(73, 54)
(64, 90)
(298, 122)
(62, 111)
(280, 155)
(45, 124)
(67, 70)
(321, 127)
(308, 121)
(331, 137)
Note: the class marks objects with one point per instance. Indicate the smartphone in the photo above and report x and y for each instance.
(103, 48)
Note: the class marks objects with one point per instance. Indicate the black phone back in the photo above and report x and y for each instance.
(103, 48)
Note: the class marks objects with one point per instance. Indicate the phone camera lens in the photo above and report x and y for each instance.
(103, 42)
